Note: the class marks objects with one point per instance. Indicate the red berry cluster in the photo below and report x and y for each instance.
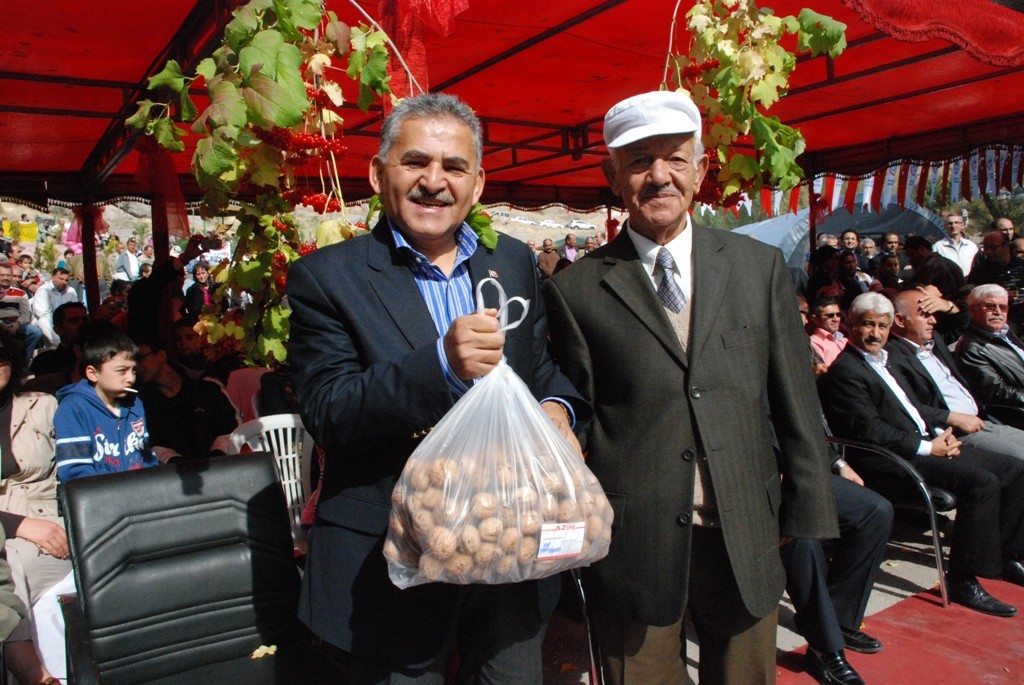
(321, 98)
(306, 248)
(694, 71)
(320, 203)
(280, 225)
(299, 141)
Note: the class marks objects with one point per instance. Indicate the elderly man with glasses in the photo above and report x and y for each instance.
(991, 356)
(1002, 267)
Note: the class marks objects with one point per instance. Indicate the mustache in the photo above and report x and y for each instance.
(442, 196)
(650, 191)
(872, 339)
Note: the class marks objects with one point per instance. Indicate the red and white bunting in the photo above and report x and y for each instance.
(922, 184)
(850, 201)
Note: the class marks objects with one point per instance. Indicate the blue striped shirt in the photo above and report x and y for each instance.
(447, 297)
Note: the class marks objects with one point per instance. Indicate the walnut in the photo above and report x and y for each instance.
(549, 506)
(398, 497)
(487, 554)
(484, 505)
(530, 522)
(459, 564)
(430, 567)
(509, 540)
(469, 539)
(443, 470)
(396, 524)
(423, 521)
(507, 565)
(431, 498)
(527, 550)
(490, 529)
(552, 484)
(442, 542)
(419, 478)
(527, 498)
(567, 511)
(391, 551)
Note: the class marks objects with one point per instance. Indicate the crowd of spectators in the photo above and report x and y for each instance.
(128, 383)
(930, 366)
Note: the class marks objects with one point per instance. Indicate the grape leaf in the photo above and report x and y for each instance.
(140, 119)
(821, 34)
(169, 77)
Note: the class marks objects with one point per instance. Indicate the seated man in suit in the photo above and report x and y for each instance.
(935, 379)
(830, 598)
(990, 355)
(867, 398)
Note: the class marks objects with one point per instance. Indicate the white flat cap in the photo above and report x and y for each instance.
(650, 114)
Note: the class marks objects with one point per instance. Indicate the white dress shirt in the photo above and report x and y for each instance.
(877, 365)
(681, 249)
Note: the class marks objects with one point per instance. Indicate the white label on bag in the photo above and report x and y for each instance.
(560, 540)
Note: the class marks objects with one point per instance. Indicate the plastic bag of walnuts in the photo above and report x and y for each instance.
(495, 494)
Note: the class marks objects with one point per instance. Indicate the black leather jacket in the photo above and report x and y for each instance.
(994, 371)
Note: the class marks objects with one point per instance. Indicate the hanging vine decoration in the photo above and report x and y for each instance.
(736, 68)
(274, 109)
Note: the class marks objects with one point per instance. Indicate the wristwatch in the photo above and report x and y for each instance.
(838, 465)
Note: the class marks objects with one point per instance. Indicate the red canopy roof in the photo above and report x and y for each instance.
(540, 74)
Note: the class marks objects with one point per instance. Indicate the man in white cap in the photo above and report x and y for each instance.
(687, 343)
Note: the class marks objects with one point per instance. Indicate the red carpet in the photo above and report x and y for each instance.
(926, 644)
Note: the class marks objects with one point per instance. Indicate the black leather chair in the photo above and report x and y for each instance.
(907, 490)
(1008, 414)
(183, 571)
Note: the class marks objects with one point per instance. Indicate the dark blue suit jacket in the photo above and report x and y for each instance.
(369, 384)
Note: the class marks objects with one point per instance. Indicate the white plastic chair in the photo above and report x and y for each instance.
(285, 437)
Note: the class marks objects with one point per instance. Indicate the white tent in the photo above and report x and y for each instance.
(789, 232)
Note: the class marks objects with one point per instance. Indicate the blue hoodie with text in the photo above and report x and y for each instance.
(91, 440)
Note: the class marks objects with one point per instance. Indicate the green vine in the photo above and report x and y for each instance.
(275, 109)
(735, 70)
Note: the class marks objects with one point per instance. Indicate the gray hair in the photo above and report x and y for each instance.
(430, 106)
(987, 290)
(824, 239)
(870, 303)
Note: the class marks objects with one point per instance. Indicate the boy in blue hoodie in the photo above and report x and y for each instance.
(100, 424)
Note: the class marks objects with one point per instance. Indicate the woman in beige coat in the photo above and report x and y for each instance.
(37, 546)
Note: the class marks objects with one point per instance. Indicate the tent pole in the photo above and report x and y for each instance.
(87, 216)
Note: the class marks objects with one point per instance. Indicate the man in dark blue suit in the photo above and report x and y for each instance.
(384, 339)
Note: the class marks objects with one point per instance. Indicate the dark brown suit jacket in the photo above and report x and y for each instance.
(746, 374)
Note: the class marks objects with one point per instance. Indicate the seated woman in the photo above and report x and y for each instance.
(200, 293)
(37, 546)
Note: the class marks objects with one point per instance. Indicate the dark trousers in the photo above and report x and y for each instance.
(826, 596)
(735, 647)
(498, 631)
(989, 489)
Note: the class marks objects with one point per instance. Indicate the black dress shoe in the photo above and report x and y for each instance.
(1013, 572)
(860, 642)
(972, 595)
(832, 669)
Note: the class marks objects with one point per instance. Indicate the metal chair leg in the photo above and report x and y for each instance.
(593, 649)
